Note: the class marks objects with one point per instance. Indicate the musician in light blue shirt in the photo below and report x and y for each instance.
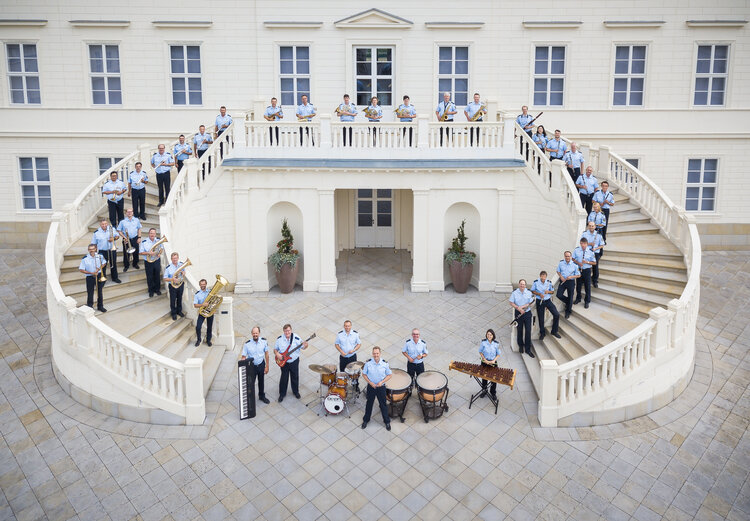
(114, 190)
(201, 141)
(104, 237)
(540, 138)
(257, 349)
(543, 289)
(524, 120)
(273, 112)
(415, 350)
(376, 373)
(182, 152)
(568, 271)
(585, 258)
(90, 265)
(587, 185)
(174, 275)
(606, 200)
(406, 114)
(478, 109)
(346, 112)
(521, 300)
(152, 257)
(347, 344)
(162, 162)
(305, 112)
(130, 229)
(556, 146)
(489, 353)
(445, 111)
(289, 342)
(373, 113)
(198, 300)
(597, 217)
(223, 120)
(596, 244)
(137, 180)
(574, 162)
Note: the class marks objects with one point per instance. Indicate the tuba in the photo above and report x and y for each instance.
(213, 300)
(179, 271)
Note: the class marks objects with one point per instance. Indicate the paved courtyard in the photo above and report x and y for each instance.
(691, 459)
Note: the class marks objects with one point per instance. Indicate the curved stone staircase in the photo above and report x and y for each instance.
(640, 270)
(130, 311)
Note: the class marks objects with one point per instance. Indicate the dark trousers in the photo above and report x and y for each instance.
(605, 211)
(344, 360)
(586, 202)
(92, 283)
(523, 331)
(302, 136)
(221, 145)
(574, 173)
(344, 132)
(209, 328)
(206, 168)
(529, 133)
(567, 287)
(153, 276)
(414, 370)
(163, 180)
(411, 134)
(259, 374)
(289, 369)
(139, 202)
(125, 257)
(379, 393)
(541, 305)
(584, 281)
(271, 132)
(111, 256)
(179, 163)
(116, 211)
(595, 268)
(472, 131)
(175, 299)
(374, 132)
(493, 385)
(448, 134)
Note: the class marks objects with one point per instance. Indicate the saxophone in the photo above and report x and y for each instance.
(213, 300)
(445, 115)
(479, 113)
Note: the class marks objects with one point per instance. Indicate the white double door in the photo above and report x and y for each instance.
(374, 218)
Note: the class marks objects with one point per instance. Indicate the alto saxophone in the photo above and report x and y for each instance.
(479, 113)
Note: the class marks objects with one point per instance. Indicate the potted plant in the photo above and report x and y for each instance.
(460, 262)
(284, 260)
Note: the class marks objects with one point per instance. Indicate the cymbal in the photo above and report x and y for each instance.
(322, 369)
(354, 366)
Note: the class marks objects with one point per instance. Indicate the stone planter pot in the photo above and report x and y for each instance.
(287, 277)
(460, 275)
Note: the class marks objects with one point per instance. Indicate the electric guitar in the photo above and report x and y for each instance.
(286, 355)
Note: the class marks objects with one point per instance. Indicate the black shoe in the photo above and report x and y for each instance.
(557, 335)
(126, 268)
(387, 426)
(567, 315)
(264, 399)
(281, 399)
(586, 305)
(530, 354)
(158, 293)
(101, 308)
(174, 317)
(296, 395)
(197, 342)
(208, 343)
(541, 336)
(117, 280)
(577, 301)
(596, 284)
(150, 295)
(181, 314)
(364, 424)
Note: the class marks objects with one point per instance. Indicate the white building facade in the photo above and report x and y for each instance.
(664, 85)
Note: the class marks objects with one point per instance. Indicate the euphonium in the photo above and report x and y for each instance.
(179, 271)
(158, 243)
(213, 300)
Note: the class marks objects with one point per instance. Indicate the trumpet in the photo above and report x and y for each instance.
(179, 271)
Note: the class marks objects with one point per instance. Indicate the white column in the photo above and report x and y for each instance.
(492, 107)
(603, 171)
(239, 133)
(259, 107)
(192, 177)
(503, 281)
(548, 409)
(660, 339)
(225, 323)
(423, 131)
(325, 131)
(257, 260)
(195, 403)
(326, 210)
(509, 127)
(243, 233)
(420, 253)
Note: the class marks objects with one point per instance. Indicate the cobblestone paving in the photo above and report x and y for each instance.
(691, 459)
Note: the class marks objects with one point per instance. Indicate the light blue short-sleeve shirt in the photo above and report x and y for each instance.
(255, 350)
(414, 350)
(489, 349)
(282, 344)
(376, 372)
(347, 342)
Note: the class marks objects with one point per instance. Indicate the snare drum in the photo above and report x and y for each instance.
(339, 390)
(397, 390)
(432, 389)
(342, 379)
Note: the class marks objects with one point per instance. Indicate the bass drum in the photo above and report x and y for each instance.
(432, 389)
(333, 404)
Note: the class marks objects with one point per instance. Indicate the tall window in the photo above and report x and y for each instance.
(186, 74)
(294, 68)
(711, 74)
(105, 163)
(23, 73)
(630, 75)
(35, 187)
(700, 195)
(374, 74)
(453, 73)
(104, 61)
(549, 75)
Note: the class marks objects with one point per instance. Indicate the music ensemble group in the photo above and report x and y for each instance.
(577, 271)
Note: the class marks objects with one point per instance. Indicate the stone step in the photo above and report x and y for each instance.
(176, 334)
(111, 294)
(70, 278)
(635, 228)
(621, 302)
(655, 245)
(555, 350)
(627, 259)
(132, 279)
(626, 216)
(623, 206)
(647, 299)
(609, 320)
(137, 316)
(156, 325)
(211, 364)
(647, 274)
(587, 326)
(659, 288)
(572, 342)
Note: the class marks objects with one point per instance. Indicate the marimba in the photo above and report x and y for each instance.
(481, 372)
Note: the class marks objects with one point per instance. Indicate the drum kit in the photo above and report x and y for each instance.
(335, 392)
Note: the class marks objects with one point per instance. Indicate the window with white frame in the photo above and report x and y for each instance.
(453, 74)
(711, 71)
(700, 195)
(374, 74)
(104, 63)
(105, 163)
(549, 75)
(35, 185)
(630, 75)
(294, 73)
(185, 63)
(23, 73)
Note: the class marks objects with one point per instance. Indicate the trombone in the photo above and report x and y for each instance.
(100, 269)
